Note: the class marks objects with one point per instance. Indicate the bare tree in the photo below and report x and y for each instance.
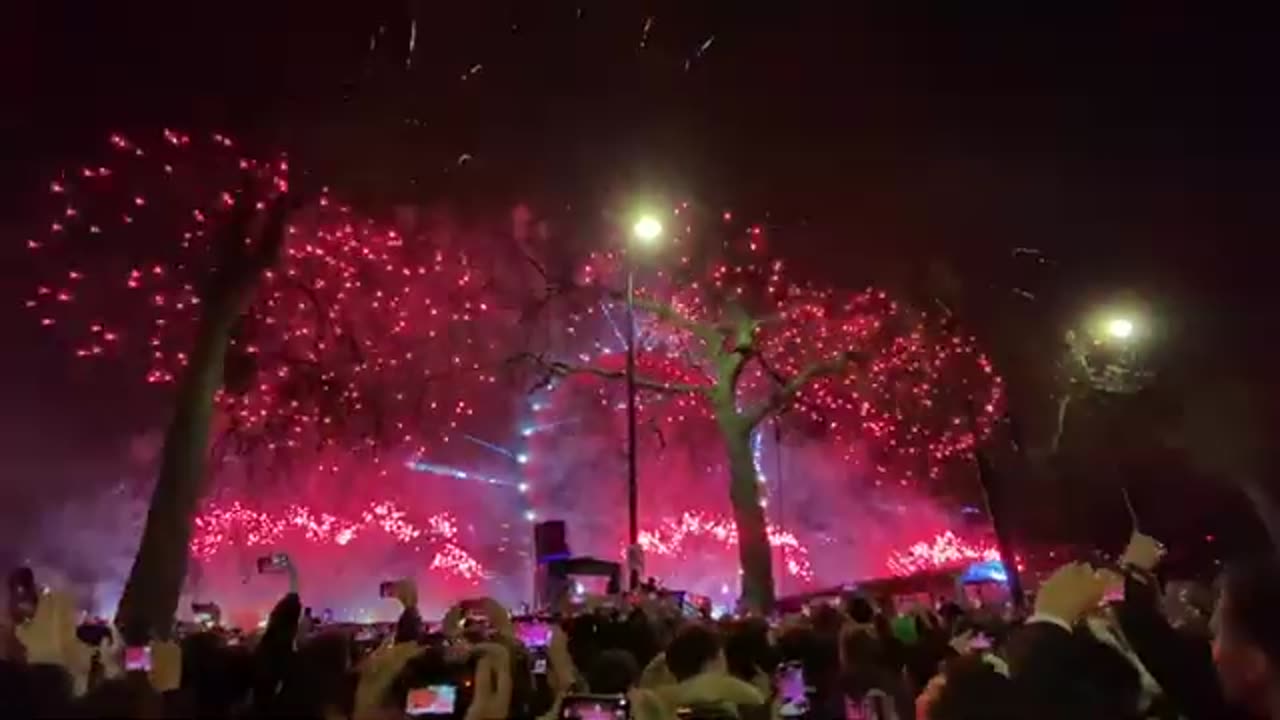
(245, 249)
(1223, 433)
(725, 348)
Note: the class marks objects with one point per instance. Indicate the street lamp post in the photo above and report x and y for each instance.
(633, 496)
(647, 229)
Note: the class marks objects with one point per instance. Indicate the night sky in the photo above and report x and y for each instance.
(1136, 148)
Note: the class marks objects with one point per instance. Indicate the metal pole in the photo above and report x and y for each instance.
(633, 536)
(782, 508)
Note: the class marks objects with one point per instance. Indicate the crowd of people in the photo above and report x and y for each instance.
(1101, 641)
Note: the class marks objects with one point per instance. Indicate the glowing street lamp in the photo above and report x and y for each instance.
(1116, 338)
(646, 231)
(1120, 328)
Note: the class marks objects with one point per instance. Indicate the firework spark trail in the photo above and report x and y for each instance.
(219, 528)
(670, 537)
(944, 550)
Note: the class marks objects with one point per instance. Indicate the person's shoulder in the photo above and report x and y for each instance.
(716, 687)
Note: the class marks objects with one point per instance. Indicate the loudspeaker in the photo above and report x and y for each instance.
(549, 541)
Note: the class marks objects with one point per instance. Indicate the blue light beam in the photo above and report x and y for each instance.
(496, 448)
(453, 472)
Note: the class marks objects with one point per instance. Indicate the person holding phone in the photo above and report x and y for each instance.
(1182, 663)
(23, 595)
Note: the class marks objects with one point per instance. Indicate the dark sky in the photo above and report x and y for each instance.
(1141, 138)
(1136, 146)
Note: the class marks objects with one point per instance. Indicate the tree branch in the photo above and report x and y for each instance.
(770, 371)
(707, 332)
(785, 394)
(559, 368)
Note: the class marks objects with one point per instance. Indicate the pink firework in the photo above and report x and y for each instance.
(374, 343)
(944, 550)
(919, 395)
(234, 526)
(340, 346)
(673, 536)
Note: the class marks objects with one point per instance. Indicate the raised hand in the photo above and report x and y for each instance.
(166, 665)
(50, 639)
(493, 683)
(1070, 592)
(291, 570)
(48, 635)
(111, 654)
(560, 663)
(963, 643)
(499, 618)
(406, 591)
(1143, 553)
(377, 672)
(451, 624)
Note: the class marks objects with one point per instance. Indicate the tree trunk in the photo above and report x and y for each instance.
(155, 581)
(754, 552)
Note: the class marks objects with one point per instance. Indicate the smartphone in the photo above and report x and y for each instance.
(792, 690)
(474, 610)
(92, 634)
(204, 613)
(690, 611)
(540, 665)
(595, 707)
(533, 633)
(275, 562)
(980, 642)
(431, 700)
(23, 596)
(387, 589)
(137, 658)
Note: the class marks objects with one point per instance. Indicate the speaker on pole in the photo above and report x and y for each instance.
(549, 542)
